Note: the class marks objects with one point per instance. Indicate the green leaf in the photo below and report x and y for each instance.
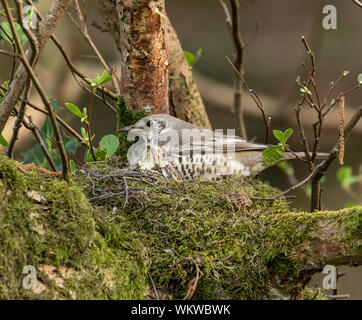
(343, 176)
(100, 154)
(72, 166)
(272, 155)
(3, 142)
(345, 73)
(305, 90)
(2, 92)
(189, 57)
(19, 30)
(84, 134)
(359, 79)
(103, 79)
(279, 135)
(288, 133)
(73, 108)
(199, 52)
(110, 143)
(283, 136)
(91, 82)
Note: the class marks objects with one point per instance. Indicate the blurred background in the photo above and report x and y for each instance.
(272, 63)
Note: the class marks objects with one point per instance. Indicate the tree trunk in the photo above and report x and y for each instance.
(144, 56)
(184, 99)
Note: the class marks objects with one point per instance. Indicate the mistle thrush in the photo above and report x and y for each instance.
(166, 141)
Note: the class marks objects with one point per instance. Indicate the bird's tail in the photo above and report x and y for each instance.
(295, 155)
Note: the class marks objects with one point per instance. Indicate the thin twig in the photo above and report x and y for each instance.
(233, 23)
(154, 287)
(193, 283)
(14, 50)
(83, 28)
(256, 99)
(40, 91)
(358, 3)
(71, 66)
(90, 106)
(42, 145)
(305, 180)
(10, 54)
(332, 155)
(33, 58)
(59, 119)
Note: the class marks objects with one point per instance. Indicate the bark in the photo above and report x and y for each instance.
(184, 97)
(144, 56)
(45, 30)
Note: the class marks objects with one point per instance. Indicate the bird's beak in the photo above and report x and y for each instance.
(126, 129)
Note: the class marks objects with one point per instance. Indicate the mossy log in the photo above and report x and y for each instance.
(197, 239)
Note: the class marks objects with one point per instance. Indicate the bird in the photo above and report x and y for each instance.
(191, 152)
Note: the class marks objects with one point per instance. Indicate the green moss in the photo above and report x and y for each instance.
(168, 229)
(312, 294)
(237, 245)
(47, 222)
(125, 118)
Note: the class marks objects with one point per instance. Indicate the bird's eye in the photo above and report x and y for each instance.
(149, 123)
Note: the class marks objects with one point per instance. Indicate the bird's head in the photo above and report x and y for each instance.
(150, 127)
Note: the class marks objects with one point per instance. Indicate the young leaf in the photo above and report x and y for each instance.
(189, 57)
(91, 82)
(103, 79)
(3, 142)
(283, 136)
(84, 134)
(74, 109)
(110, 143)
(272, 155)
(305, 90)
(279, 135)
(288, 133)
(199, 52)
(359, 79)
(72, 167)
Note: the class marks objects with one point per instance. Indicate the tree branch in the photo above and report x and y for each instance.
(45, 30)
(42, 94)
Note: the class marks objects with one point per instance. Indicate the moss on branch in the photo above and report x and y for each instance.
(167, 230)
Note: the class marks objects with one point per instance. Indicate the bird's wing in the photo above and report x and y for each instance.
(213, 142)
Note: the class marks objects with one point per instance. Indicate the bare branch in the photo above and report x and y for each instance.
(358, 3)
(256, 99)
(40, 90)
(332, 155)
(44, 32)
